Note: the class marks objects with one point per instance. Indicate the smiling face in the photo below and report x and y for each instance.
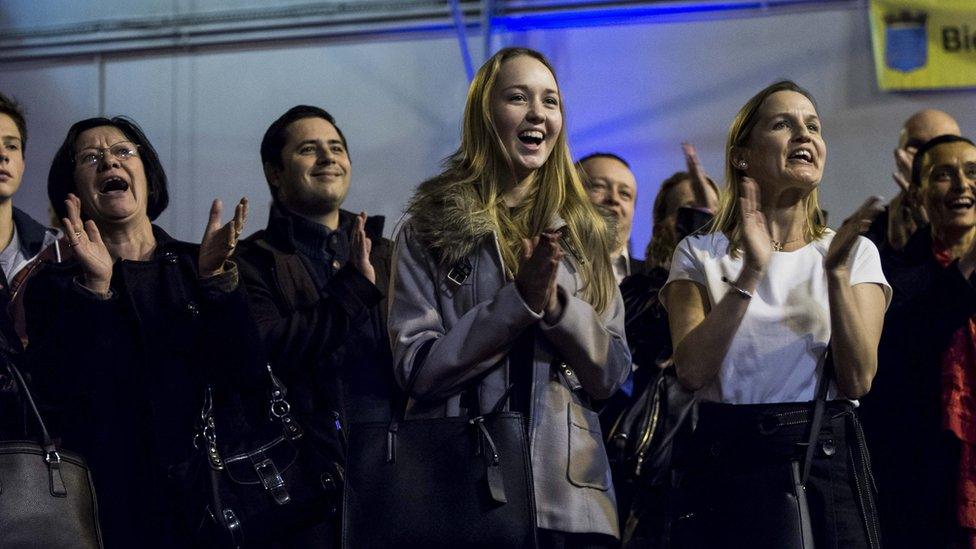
(315, 173)
(112, 189)
(948, 189)
(526, 112)
(612, 185)
(11, 157)
(786, 147)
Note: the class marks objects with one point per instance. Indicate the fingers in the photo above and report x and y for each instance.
(691, 159)
(216, 210)
(73, 236)
(240, 216)
(870, 209)
(91, 230)
(73, 205)
(904, 159)
(901, 182)
(750, 195)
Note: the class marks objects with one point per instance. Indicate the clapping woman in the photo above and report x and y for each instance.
(752, 306)
(125, 335)
(502, 273)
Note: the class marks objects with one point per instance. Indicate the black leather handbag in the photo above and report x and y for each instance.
(440, 483)
(639, 443)
(265, 482)
(47, 498)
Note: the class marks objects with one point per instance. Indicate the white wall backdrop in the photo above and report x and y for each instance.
(634, 89)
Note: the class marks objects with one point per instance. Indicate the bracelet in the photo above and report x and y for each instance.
(738, 290)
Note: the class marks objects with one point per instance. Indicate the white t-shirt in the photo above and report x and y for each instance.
(773, 356)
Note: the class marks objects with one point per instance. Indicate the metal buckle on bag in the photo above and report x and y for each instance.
(460, 271)
(272, 480)
(52, 457)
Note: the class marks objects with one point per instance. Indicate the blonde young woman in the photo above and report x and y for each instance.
(501, 273)
(752, 306)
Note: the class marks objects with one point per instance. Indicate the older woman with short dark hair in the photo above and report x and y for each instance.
(126, 333)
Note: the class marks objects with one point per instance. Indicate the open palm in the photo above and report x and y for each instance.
(88, 247)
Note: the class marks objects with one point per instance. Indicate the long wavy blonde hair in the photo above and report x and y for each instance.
(482, 161)
(727, 220)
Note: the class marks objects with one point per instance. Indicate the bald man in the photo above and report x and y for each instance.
(903, 217)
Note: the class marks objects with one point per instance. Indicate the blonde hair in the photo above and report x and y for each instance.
(727, 218)
(482, 162)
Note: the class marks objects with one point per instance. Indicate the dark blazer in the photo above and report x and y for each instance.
(122, 380)
(637, 266)
(327, 339)
(914, 460)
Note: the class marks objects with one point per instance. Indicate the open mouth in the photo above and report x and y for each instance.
(961, 204)
(801, 155)
(533, 138)
(114, 185)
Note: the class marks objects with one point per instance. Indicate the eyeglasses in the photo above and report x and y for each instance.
(123, 150)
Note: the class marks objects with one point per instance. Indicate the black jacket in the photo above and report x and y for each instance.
(327, 339)
(121, 380)
(914, 460)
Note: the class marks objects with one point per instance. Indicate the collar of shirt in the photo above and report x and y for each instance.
(319, 243)
(621, 266)
(11, 256)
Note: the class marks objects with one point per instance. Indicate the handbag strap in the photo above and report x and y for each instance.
(819, 404)
(51, 452)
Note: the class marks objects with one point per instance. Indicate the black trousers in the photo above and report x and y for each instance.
(751, 441)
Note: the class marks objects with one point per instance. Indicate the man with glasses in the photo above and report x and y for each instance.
(314, 293)
(22, 240)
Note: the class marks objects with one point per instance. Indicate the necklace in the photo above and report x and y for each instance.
(778, 246)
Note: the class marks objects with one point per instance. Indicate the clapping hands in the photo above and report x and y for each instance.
(360, 249)
(855, 225)
(218, 241)
(88, 247)
(536, 279)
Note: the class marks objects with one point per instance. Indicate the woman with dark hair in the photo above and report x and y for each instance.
(920, 417)
(126, 333)
(752, 306)
(501, 274)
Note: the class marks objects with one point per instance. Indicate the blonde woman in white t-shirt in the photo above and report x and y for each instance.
(752, 305)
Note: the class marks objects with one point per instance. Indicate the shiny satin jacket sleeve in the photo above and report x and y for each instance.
(425, 328)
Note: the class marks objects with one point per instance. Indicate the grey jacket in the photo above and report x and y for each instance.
(464, 332)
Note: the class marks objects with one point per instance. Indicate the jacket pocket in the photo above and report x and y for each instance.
(587, 464)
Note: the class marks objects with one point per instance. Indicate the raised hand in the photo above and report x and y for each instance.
(699, 180)
(536, 279)
(903, 168)
(756, 238)
(855, 225)
(219, 241)
(361, 246)
(86, 243)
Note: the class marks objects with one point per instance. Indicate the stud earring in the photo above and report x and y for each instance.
(743, 165)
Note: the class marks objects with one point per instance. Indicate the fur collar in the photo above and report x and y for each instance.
(447, 218)
(449, 221)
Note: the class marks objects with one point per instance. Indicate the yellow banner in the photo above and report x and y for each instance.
(924, 44)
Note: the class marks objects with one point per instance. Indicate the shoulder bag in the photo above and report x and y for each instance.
(47, 498)
(263, 483)
(440, 483)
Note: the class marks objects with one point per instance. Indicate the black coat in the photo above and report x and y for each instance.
(914, 460)
(327, 339)
(122, 380)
